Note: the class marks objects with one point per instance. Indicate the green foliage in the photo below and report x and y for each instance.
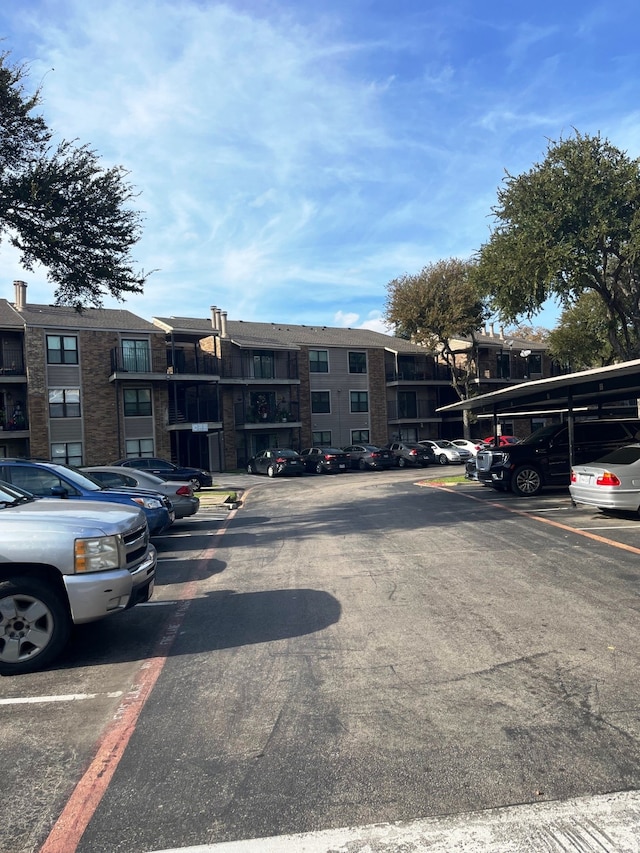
(438, 305)
(569, 226)
(580, 339)
(60, 207)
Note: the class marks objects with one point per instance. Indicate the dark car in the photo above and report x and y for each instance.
(184, 502)
(325, 460)
(411, 453)
(274, 461)
(53, 480)
(364, 456)
(168, 471)
(544, 458)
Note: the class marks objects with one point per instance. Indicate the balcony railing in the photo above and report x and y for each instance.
(194, 412)
(176, 363)
(424, 409)
(422, 373)
(283, 366)
(246, 414)
(11, 361)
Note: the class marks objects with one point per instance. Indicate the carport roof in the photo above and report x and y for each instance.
(587, 388)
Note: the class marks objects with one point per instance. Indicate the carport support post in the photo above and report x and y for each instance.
(570, 431)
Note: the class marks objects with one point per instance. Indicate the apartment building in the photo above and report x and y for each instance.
(82, 388)
(95, 386)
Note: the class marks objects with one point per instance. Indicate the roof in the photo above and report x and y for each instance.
(64, 316)
(587, 388)
(288, 335)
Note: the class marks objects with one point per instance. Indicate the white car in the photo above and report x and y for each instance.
(471, 447)
(445, 452)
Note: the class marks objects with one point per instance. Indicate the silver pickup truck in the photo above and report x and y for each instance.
(64, 563)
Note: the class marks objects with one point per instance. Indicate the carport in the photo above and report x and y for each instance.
(585, 393)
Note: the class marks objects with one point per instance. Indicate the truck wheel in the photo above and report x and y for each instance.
(34, 625)
(526, 481)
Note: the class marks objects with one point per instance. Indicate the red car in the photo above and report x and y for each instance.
(502, 440)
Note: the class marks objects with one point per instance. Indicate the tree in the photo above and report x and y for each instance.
(435, 308)
(59, 207)
(579, 341)
(569, 226)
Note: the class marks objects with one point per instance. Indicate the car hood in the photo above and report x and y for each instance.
(86, 518)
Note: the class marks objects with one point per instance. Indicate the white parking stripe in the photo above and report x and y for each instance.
(68, 697)
(603, 824)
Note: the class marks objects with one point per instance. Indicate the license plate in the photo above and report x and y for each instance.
(342, 465)
(584, 478)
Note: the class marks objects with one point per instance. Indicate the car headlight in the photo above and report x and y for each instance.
(148, 503)
(96, 555)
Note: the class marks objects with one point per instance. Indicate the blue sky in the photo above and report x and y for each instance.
(294, 157)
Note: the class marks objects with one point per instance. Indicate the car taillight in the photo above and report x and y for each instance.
(607, 479)
(574, 478)
(184, 490)
(374, 455)
(329, 456)
(413, 453)
(280, 459)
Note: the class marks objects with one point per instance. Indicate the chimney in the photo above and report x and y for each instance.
(21, 294)
(223, 324)
(213, 310)
(218, 312)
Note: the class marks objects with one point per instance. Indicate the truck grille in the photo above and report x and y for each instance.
(136, 543)
(485, 459)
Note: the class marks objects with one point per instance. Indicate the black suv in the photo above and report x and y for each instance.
(542, 459)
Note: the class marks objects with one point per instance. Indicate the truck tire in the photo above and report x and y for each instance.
(34, 625)
(526, 481)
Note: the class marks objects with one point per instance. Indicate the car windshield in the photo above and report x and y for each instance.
(443, 443)
(81, 478)
(541, 435)
(622, 456)
(11, 495)
(286, 453)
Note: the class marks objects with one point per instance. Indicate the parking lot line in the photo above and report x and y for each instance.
(67, 697)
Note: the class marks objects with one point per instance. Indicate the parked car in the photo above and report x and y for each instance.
(411, 453)
(62, 564)
(611, 482)
(503, 440)
(325, 460)
(542, 459)
(168, 471)
(364, 456)
(445, 452)
(181, 495)
(275, 461)
(471, 446)
(53, 480)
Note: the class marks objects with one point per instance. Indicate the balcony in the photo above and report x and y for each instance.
(194, 412)
(11, 361)
(423, 410)
(164, 364)
(247, 415)
(419, 373)
(283, 367)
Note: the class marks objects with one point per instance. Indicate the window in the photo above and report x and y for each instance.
(360, 436)
(263, 365)
(137, 402)
(135, 356)
(535, 363)
(359, 401)
(136, 447)
(318, 361)
(407, 404)
(62, 349)
(320, 402)
(502, 367)
(322, 438)
(357, 362)
(64, 402)
(68, 452)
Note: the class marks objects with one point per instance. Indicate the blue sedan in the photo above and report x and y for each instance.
(52, 480)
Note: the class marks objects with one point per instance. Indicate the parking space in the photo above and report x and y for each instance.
(555, 505)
